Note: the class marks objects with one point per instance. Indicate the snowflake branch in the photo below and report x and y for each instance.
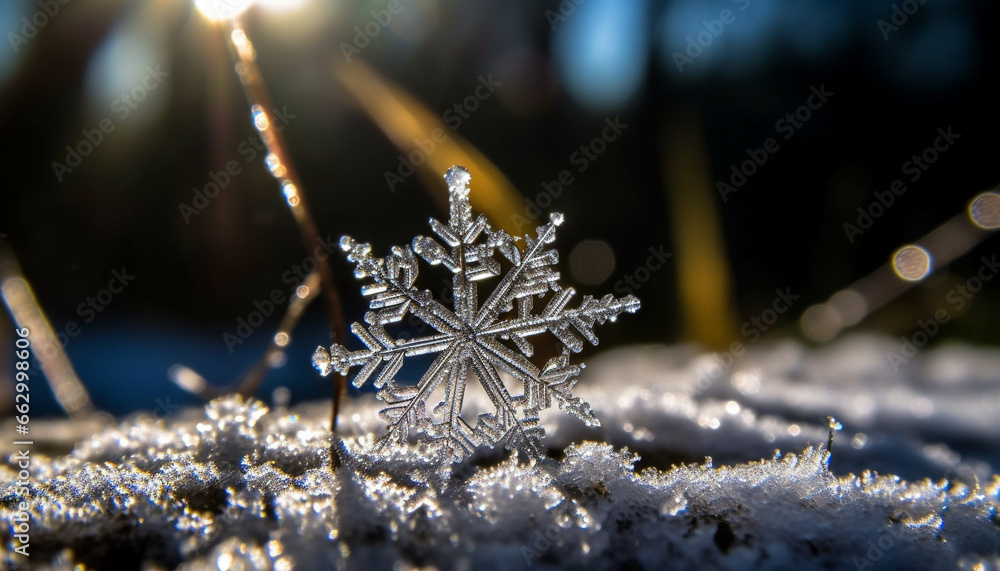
(339, 359)
(462, 437)
(506, 427)
(553, 319)
(502, 294)
(406, 404)
(555, 379)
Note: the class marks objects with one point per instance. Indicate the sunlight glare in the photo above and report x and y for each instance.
(281, 5)
(217, 10)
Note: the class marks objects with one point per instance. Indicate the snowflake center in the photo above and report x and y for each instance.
(472, 338)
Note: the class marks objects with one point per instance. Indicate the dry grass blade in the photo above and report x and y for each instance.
(404, 120)
(705, 283)
(275, 353)
(281, 166)
(26, 312)
(192, 382)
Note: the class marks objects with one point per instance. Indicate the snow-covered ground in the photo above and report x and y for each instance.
(235, 485)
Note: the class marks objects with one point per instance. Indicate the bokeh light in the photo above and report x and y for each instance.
(126, 76)
(985, 211)
(821, 323)
(591, 262)
(10, 20)
(601, 50)
(851, 307)
(912, 263)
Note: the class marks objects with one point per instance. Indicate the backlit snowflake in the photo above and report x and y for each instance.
(486, 341)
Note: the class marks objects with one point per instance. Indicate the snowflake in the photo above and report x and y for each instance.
(489, 340)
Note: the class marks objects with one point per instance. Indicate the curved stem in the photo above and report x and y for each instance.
(281, 166)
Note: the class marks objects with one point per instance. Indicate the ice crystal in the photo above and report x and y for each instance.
(471, 337)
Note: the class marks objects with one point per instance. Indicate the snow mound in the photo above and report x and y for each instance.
(235, 485)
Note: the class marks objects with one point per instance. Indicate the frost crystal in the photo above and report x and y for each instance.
(487, 340)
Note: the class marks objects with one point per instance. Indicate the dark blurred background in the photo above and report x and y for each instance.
(696, 86)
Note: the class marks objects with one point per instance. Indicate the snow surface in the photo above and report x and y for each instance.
(235, 485)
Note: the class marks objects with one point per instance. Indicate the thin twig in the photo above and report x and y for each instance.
(192, 382)
(834, 426)
(280, 164)
(304, 294)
